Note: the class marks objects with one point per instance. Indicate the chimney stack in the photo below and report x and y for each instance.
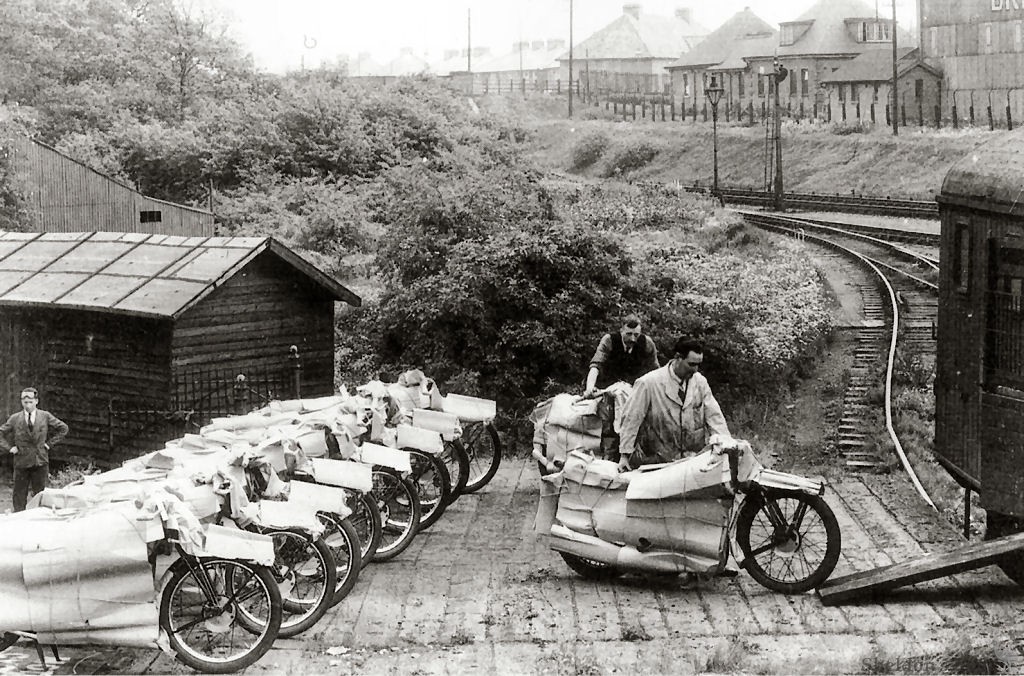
(450, 54)
(684, 14)
(556, 43)
(537, 45)
(632, 9)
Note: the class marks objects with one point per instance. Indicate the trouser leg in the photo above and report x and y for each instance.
(37, 480)
(26, 479)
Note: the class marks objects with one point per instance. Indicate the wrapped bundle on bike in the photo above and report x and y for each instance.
(566, 423)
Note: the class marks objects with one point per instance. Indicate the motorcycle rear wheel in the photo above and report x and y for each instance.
(590, 569)
(798, 549)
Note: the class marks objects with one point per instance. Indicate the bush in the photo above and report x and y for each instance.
(589, 149)
(847, 128)
(629, 157)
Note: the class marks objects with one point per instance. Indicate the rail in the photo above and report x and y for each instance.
(857, 204)
(794, 227)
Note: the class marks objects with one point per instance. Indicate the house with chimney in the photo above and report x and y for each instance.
(722, 56)
(861, 88)
(630, 54)
(815, 45)
(530, 65)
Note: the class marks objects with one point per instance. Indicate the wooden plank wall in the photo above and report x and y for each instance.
(67, 196)
(81, 360)
(250, 323)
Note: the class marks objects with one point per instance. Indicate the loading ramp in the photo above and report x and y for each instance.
(869, 583)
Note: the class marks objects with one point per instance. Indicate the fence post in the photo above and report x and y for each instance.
(643, 108)
(903, 114)
(938, 116)
(663, 111)
(763, 108)
(1009, 115)
(843, 104)
(956, 116)
(920, 113)
(704, 111)
(634, 110)
(296, 365)
(801, 108)
(828, 111)
(110, 423)
(240, 395)
(558, 85)
(872, 113)
(672, 106)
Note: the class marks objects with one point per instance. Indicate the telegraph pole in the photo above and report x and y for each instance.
(895, 99)
(778, 76)
(570, 58)
(469, 42)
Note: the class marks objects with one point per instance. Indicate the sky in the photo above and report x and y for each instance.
(289, 34)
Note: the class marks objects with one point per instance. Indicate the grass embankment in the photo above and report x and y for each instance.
(824, 158)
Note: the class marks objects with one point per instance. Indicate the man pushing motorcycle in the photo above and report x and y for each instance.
(671, 413)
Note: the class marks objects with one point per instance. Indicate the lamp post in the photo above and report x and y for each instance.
(713, 93)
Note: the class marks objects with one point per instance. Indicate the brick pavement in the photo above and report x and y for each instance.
(481, 593)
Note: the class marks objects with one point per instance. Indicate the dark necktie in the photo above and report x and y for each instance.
(28, 419)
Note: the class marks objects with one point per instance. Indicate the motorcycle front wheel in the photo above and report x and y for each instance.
(790, 540)
(590, 569)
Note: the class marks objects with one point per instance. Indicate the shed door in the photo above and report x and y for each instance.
(22, 358)
(1002, 414)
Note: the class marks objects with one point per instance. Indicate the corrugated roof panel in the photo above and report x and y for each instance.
(9, 279)
(36, 255)
(236, 242)
(18, 236)
(209, 264)
(9, 245)
(45, 287)
(90, 257)
(147, 260)
(161, 296)
(102, 290)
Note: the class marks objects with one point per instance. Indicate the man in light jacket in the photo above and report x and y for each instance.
(671, 413)
(28, 436)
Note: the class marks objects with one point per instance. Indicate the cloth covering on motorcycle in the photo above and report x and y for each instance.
(79, 576)
(565, 423)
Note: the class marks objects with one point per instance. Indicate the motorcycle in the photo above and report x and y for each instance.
(681, 517)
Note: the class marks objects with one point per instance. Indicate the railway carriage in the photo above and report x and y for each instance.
(979, 386)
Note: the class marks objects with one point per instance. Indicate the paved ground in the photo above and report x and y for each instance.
(481, 593)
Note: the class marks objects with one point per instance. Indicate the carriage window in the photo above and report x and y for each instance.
(1004, 320)
(962, 258)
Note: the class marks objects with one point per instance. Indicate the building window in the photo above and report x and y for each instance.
(933, 38)
(788, 35)
(918, 89)
(874, 95)
(1018, 37)
(792, 84)
(842, 92)
(1004, 339)
(149, 217)
(988, 37)
(741, 82)
(805, 79)
(875, 31)
(686, 85)
(760, 84)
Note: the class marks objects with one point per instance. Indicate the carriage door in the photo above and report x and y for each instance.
(1002, 415)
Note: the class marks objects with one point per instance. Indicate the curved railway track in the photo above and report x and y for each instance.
(899, 304)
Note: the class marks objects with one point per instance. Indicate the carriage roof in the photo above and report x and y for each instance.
(990, 177)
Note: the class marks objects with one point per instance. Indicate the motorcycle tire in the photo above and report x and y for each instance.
(457, 461)
(343, 542)
(589, 569)
(180, 595)
(399, 512)
(484, 449)
(999, 525)
(306, 573)
(365, 518)
(778, 558)
(433, 485)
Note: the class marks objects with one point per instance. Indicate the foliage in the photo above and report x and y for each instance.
(847, 128)
(628, 208)
(589, 149)
(629, 156)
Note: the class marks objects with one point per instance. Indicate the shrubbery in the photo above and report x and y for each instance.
(628, 157)
(589, 149)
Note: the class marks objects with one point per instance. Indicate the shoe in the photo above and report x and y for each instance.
(728, 572)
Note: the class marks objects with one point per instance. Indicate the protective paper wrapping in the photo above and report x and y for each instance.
(79, 578)
(565, 423)
(319, 498)
(446, 424)
(374, 454)
(352, 475)
(469, 409)
(704, 475)
(421, 439)
(233, 543)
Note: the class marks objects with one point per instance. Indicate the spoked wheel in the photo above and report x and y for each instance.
(399, 512)
(200, 609)
(433, 485)
(484, 450)
(457, 461)
(790, 540)
(306, 574)
(365, 518)
(998, 525)
(343, 543)
(590, 569)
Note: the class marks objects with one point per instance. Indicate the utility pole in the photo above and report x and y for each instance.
(895, 99)
(469, 42)
(777, 77)
(570, 58)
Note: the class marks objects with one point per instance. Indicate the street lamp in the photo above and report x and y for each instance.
(713, 93)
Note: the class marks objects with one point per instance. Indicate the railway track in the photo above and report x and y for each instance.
(899, 305)
(855, 204)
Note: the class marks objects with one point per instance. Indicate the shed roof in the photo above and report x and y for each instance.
(648, 36)
(744, 34)
(133, 273)
(875, 65)
(989, 177)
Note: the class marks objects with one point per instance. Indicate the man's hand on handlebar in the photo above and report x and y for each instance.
(624, 463)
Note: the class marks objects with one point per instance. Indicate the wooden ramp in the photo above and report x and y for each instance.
(871, 582)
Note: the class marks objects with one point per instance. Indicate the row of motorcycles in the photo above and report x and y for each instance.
(251, 529)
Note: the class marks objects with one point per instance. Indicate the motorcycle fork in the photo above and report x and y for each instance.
(784, 529)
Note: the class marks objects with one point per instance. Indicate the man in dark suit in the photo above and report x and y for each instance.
(28, 435)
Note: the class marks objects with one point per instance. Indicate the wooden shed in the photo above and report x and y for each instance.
(128, 336)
